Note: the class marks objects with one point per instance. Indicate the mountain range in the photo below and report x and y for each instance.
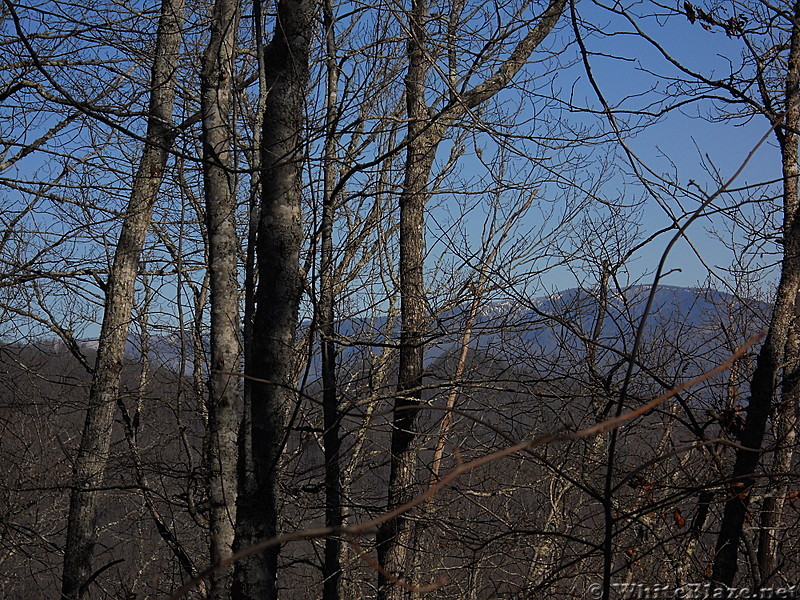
(706, 321)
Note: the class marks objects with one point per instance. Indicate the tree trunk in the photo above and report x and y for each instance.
(334, 514)
(219, 179)
(785, 420)
(394, 538)
(279, 289)
(785, 428)
(90, 465)
(770, 362)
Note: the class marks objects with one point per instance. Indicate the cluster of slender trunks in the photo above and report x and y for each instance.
(247, 415)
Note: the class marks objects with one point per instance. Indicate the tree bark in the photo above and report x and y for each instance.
(770, 362)
(90, 465)
(395, 537)
(785, 421)
(279, 289)
(219, 180)
(334, 513)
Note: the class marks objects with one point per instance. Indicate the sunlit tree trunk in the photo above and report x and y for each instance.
(395, 537)
(785, 421)
(90, 464)
(219, 181)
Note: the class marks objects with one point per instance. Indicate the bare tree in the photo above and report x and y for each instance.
(423, 138)
(220, 186)
(334, 511)
(279, 288)
(416, 183)
(91, 461)
(777, 363)
(762, 80)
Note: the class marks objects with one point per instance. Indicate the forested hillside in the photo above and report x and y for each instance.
(448, 300)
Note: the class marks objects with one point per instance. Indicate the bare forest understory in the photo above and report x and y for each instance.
(314, 299)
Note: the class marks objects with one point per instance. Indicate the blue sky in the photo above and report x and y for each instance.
(681, 146)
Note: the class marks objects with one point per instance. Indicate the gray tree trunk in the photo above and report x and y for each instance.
(395, 538)
(90, 465)
(219, 179)
(785, 421)
(278, 291)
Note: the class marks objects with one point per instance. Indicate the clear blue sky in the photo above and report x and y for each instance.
(681, 146)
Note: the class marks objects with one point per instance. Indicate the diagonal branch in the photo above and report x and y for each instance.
(370, 526)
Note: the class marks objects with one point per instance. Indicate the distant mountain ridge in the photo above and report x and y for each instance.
(560, 321)
(705, 320)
